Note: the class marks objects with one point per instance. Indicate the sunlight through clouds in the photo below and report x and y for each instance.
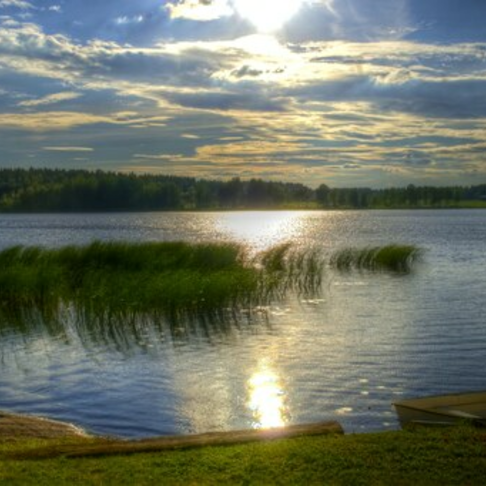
(267, 15)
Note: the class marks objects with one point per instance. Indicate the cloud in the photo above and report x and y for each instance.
(251, 105)
(351, 20)
(199, 10)
(404, 73)
(430, 99)
(20, 4)
(50, 99)
(28, 49)
(416, 158)
(432, 81)
(124, 20)
(55, 120)
(47, 121)
(68, 149)
(226, 101)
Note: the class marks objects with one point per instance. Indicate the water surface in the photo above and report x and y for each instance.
(345, 355)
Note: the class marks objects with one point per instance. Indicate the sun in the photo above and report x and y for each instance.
(267, 15)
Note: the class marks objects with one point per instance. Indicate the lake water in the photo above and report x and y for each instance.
(346, 355)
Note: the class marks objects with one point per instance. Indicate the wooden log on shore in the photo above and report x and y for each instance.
(105, 447)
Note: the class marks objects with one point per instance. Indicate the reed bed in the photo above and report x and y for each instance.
(395, 258)
(168, 277)
(120, 279)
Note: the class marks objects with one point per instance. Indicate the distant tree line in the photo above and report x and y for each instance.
(50, 190)
(409, 197)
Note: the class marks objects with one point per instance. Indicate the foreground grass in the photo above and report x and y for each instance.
(455, 455)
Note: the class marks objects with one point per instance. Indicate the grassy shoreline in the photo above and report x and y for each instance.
(454, 455)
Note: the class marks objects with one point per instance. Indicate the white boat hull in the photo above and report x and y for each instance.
(443, 409)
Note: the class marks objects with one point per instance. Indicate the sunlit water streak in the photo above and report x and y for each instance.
(267, 398)
(345, 354)
(262, 229)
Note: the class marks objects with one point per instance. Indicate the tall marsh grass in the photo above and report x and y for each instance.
(171, 277)
(396, 258)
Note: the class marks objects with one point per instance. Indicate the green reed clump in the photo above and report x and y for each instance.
(149, 256)
(170, 277)
(396, 258)
(29, 278)
(275, 259)
(288, 269)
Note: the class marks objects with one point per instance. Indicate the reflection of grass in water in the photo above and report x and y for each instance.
(396, 258)
(149, 277)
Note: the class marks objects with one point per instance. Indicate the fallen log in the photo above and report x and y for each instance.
(104, 447)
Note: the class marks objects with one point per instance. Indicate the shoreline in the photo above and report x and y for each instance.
(16, 427)
(418, 455)
(480, 206)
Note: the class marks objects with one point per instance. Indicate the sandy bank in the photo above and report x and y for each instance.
(14, 426)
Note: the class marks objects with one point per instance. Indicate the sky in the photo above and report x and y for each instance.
(350, 93)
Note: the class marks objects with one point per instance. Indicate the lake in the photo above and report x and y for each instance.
(346, 354)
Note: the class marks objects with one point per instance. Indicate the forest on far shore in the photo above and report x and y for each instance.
(57, 190)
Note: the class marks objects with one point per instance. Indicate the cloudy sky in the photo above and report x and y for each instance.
(348, 92)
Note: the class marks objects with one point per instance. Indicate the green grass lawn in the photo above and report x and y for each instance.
(455, 455)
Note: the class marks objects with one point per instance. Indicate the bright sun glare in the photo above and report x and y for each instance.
(267, 15)
(267, 399)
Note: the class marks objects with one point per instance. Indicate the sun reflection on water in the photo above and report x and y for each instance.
(260, 229)
(267, 399)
